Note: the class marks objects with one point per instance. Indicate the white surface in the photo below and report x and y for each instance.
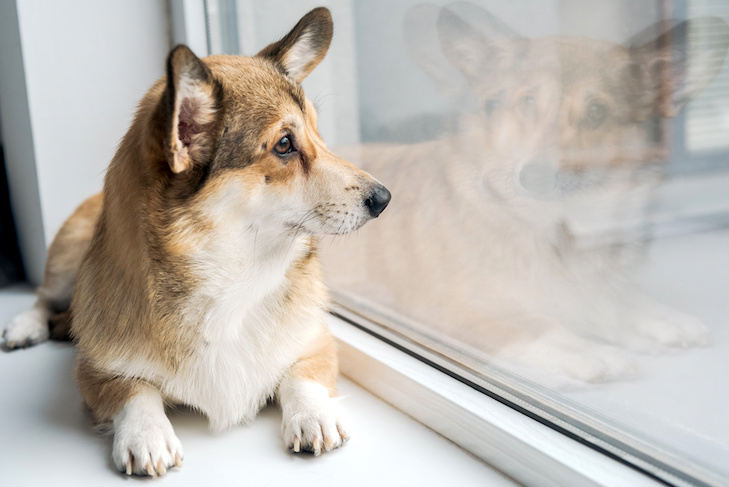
(46, 439)
(527, 450)
(680, 397)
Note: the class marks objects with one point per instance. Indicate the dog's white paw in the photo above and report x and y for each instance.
(647, 327)
(27, 329)
(676, 330)
(597, 363)
(312, 422)
(144, 441)
(563, 354)
(668, 327)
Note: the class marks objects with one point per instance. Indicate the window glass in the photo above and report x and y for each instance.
(558, 224)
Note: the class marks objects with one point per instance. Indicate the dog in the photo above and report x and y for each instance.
(194, 278)
(482, 249)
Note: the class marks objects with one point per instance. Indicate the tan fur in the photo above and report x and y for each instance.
(104, 395)
(68, 250)
(319, 364)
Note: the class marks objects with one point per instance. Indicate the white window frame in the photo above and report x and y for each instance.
(187, 21)
(526, 450)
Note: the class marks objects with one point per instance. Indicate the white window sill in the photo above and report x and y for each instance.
(528, 451)
(46, 438)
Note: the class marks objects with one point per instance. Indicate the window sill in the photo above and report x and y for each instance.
(524, 449)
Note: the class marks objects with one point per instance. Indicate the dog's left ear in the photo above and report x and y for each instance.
(192, 108)
(675, 66)
(302, 49)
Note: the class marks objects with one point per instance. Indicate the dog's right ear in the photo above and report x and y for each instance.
(676, 65)
(192, 108)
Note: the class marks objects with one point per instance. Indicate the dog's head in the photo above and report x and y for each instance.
(561, 117)
(241, 139)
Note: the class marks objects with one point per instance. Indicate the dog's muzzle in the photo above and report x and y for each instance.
(539, 179)
(378, 200)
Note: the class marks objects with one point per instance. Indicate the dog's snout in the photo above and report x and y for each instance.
(377, 200)
(538, 178)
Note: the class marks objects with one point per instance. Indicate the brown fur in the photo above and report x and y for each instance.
(60, 326)
(104, 394)
(319, 364)
(68, 250)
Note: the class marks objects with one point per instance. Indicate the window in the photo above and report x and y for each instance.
(557, 234)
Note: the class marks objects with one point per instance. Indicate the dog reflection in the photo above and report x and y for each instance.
(481, 243)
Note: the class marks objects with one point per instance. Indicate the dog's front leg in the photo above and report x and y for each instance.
(307, 394)
(144, 441)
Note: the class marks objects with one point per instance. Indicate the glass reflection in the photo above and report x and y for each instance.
(515, 229)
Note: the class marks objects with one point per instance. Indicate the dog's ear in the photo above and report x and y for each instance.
(421, 39)
(675, 66)
(302, 49)
(472, 45)
(192, 108)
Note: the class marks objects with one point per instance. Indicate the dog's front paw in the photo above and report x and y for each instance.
(313, 423)
(669, 327)
(564, 354)
(675, 331)
(27, 329)
(144, 441)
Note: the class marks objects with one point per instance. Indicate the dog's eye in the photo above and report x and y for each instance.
(528, 106)
(596, 115)
(491, 106)
(284, 146)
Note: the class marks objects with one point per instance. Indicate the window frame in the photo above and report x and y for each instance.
(521, 447)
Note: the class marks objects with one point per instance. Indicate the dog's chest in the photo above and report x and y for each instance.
(249, 337)
(239, 363)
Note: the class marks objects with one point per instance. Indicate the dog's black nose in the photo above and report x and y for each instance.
(539, 178)
(378, 200)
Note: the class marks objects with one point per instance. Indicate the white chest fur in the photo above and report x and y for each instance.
(249, 337)
(230, 379)
(248, 333)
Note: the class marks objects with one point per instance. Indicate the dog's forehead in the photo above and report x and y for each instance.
(254, 86)
(569, 62)
(600, 65)
(258, 100)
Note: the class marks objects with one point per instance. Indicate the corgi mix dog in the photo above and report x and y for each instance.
(195, 274)
(482, 246)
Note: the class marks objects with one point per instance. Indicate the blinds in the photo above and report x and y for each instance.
(707, 116)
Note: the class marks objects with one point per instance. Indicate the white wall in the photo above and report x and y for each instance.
(85, 65)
